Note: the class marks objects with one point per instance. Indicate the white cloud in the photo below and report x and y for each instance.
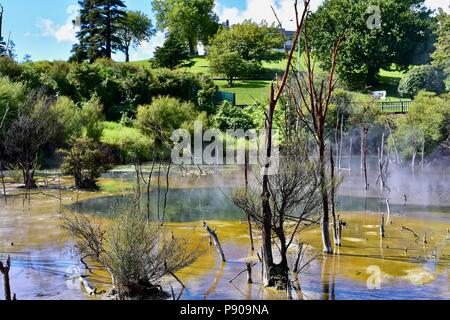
(62, 33)
(258, 10)
(146, 49)
(434, 4)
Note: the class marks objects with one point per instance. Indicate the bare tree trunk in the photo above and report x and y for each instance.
(333, 203)
(3, 181)
(394, 143)
(249, 221)
(350, 155)
(159, 191)
(324, 190)
(4, 269)
(166, 192)
(364, 155)
(213, 235)
(249, 273)
(423, 153)
(413, 160)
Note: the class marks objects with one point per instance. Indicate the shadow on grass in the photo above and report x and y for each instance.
(250, 84)
(389, 84)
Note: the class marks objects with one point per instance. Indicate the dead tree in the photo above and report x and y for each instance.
(216, 241)
(316, 100)
(294, 202)
(275, 95)
(249, 221)
(4, 269)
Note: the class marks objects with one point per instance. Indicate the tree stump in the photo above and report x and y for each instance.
(4, 269)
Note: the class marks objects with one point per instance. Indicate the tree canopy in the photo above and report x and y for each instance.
(172, 54)
(405, 29)
(99, 25)
(441, 55)
(240, 50)
(193, 20)
(135, 28)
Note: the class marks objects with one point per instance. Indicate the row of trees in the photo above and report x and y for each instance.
(395, 37)
(105, 26)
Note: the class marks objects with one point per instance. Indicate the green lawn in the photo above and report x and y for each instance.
(247, 91)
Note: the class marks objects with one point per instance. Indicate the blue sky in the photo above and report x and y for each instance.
(43, 28)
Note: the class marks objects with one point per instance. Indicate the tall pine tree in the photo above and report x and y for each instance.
(99, 24)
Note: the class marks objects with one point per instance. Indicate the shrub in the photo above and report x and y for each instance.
(92, 117)
(232, 117)
(419, 78)
(429, 115)
(86, 161)
(9, 68)
(163, 116)
(69, 116)
(137, 255)
(129, 143)
(12, 95)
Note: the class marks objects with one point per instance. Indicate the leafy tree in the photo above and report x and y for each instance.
(252, 41)
(99, 26)
(228, 64)
(135, 28)
(405, 26)
(193, 20)
(440, 57)
(421, 78)
(86, 160)
(172, 54)
(426, 126)
(240, 50)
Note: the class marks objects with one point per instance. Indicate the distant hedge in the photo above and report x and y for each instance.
(120, 87)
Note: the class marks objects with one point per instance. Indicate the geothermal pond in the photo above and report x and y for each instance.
(366, 267)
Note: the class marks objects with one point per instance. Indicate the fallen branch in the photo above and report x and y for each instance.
(174, 276)
(213, 235)
(243, 271)
(87, 286)
(412, 231)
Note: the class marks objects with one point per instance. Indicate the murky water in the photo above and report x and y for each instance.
(398, 266)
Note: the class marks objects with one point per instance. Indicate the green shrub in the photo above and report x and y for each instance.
(128, 143)
(12, 95)
(420, 78)
(426, 125)
(161, 118)
(9, 68)
(232, 117)
(92, 117)
(69, 115)
(86, 161)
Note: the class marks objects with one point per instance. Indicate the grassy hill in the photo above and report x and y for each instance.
(247, 91)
